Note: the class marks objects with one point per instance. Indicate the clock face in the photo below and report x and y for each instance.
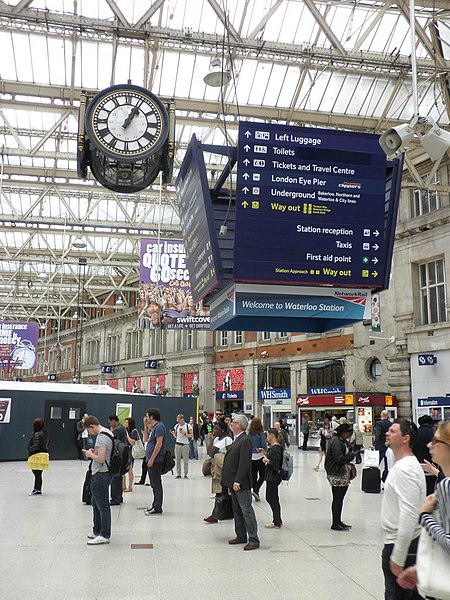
(24, 356)
(127, 123)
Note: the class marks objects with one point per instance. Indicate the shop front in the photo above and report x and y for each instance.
(362, 409)
(438, 407)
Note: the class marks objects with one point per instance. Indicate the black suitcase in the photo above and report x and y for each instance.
(371, 480)
(222, 508)
(86, 497)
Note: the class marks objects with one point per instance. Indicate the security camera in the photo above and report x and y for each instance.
(435, 142)
(264, 354)
(394, 140)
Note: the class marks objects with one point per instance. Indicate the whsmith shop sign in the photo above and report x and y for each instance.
(279, 396)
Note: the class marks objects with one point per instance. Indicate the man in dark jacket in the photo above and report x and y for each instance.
(237, 477)
(381, 429)
(420, 448)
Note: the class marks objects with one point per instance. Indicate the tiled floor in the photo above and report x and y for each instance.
(44, 555)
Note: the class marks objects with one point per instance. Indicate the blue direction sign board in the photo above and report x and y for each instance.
(197, 223)
(310, 207)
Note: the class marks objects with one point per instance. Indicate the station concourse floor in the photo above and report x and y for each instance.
(44, 555)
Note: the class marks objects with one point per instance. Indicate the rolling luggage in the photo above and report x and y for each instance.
(86, 497)
(371, 480)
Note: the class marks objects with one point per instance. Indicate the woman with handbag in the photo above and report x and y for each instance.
(38, 455)
(431, 573)
(339, 472)
(217, 451)
(133, 439)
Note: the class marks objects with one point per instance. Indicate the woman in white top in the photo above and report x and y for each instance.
(440, 531)
(217, 451)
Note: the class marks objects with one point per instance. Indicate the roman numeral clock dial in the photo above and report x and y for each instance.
(127, 123)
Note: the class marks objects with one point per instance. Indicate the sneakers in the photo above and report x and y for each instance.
(185, 476)
(178, 477)
(98, 540)
(91, 536)
(272, 526)
(35, 493)
(151, 511)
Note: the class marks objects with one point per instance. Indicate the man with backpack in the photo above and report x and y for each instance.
(119, 433)
(101, 480)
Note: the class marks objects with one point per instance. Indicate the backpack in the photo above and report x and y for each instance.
(168, 462)
(120, 461)
(287, 466)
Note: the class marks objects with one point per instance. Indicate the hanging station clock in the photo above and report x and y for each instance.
(127, 123)
(126, 135)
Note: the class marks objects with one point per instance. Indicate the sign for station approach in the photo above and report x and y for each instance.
(310, 207)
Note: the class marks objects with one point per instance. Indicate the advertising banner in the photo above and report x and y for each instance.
(229, 384)
(157, 384)
(191, 385)
(113, 383)
(18, 345)
(165, 298)
(5, 410)
(133, 385)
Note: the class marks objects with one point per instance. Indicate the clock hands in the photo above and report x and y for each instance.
(134, 111)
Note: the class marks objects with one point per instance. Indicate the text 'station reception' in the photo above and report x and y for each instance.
(309, 207)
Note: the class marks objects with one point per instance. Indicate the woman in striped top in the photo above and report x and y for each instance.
(439, 448)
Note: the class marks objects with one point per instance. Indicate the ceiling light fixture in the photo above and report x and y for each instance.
(119, 301)
(217, 76)
(79, 243)
(42, 275)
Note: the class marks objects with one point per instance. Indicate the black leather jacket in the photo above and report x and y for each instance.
(38, 443)
(338, 455)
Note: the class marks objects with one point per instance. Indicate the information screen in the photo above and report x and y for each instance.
(310, 207)
(197, 223)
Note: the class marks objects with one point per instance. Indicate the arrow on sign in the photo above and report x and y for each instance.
(374, 273)
(375, 260)
(247, 134)
(376, 233)
(246, 161)
(246, 147)
(245, 204)
(245, 175)
(375, 246)
(245, 190)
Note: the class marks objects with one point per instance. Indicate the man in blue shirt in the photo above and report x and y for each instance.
(154, 455)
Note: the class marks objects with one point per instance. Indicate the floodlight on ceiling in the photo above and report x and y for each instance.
(79, 243)
(42, 275)
(119, 301)
(434, 140)
(217, 76)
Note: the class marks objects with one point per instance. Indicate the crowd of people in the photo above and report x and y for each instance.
(415, 467)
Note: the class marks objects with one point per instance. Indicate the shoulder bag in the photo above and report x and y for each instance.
(433, 568)
(137, 450)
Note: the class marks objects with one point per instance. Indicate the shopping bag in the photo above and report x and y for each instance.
(222, 508)
(433, 568)
(371, 457)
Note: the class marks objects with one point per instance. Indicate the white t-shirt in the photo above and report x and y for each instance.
(404, 493)
(222, 444)
(182, 433)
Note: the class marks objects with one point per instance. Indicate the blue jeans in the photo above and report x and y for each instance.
(245, 524)
(155, 474)
(100, 504)
(193, 450)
